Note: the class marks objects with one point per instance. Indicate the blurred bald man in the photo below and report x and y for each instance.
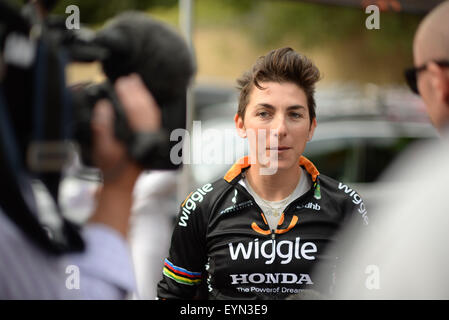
(408, 256)
(431, 57)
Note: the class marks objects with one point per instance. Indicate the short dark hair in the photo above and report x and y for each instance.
(280, 65)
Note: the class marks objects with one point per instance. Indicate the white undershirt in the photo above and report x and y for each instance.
(304, 185)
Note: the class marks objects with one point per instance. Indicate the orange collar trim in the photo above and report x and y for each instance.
(243, 163)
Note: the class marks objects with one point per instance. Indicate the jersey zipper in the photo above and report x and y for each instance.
(273, 241)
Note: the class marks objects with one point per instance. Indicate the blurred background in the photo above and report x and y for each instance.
(229, 34)
(366, 115)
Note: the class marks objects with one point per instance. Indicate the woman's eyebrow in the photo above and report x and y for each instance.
(293, 107)
(266, 105)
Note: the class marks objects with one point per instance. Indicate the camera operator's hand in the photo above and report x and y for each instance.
(110, 155)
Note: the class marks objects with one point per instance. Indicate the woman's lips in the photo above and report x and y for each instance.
(280, 148)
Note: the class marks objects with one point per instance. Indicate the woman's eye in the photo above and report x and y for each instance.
(263, 114)
(296, 115)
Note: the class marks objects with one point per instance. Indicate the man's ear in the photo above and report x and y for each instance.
(239, 125)
(439, 81)
(312, 129)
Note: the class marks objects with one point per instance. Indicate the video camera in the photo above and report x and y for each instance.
(40, 117)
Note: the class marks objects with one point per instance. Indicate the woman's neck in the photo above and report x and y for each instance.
(274, 187)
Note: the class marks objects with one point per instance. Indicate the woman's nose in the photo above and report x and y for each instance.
(279, 127)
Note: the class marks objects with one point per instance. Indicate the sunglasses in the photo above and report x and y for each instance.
(411, 74)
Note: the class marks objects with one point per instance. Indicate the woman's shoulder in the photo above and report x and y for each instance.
(335, 185)
(344, 195)
(206, 194)
(339, 191)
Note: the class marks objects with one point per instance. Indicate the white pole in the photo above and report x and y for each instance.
(186, 24)
(186, 19)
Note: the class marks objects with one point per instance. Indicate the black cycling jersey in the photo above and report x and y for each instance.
(221, 239)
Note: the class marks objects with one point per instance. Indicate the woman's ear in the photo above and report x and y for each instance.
(239, 125)
(312, 129)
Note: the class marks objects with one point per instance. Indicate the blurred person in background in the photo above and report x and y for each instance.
(409, 257)
(105, 267)
(258, 232)
(120, 136)
(152, 220)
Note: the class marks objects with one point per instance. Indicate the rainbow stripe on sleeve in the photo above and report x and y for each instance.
(181, 275)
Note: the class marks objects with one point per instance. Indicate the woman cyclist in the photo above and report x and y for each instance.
(258, 232)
